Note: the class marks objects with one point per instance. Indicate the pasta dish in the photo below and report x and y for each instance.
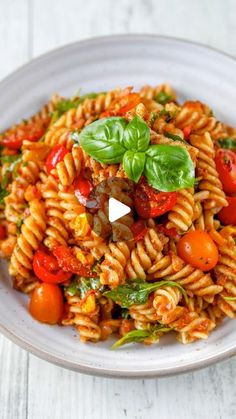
(169, 264)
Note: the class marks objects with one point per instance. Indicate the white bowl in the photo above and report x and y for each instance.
(196, 72)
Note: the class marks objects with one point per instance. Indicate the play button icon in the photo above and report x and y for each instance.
(116, 210)
(109, 209)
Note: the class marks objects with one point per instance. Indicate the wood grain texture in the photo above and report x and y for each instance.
(30, 387)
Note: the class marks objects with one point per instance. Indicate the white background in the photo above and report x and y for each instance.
(29, 387)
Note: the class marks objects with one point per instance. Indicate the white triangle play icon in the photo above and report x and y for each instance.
(116, 209)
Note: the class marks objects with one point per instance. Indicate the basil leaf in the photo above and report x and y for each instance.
(125, 313)
(137, 135)
(9, 159)
(141, 335)
(174, 137)
(163, 98)
(14, 161)
(133, 164)
(169, 168)
(228, 143)
(82, 285)
(66, 104)
(3, 194)
(102, 140)
(138, 292)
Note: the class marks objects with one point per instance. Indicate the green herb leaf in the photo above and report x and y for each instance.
(140, 335)
(102, 140)
(137, 135)
(169, 168)
(163, 98)
(11, 169)
(229, 298)
(82, 285)
(19, 223)
(133, 164)
(67, 104)
(138, 292)
(10, 159)
(228, 143)
(174, 137)
(3, 194)
(125, 313)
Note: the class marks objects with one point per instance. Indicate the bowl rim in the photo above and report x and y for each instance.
(56, 359)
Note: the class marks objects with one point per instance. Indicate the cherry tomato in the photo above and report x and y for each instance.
(31, 132)
(139, 230)
(47, 268)
(228, 214)
(69, 263)
(187, 131)
(83, 187)
(56, 155)
(122, 105)
(226, 167)
(198, 249)
(46, 304)
(3, 233)
(149, 202)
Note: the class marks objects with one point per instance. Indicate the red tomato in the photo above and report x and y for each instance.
(228, 214)
(83, 187)
(46, 304)
(226, 167)
(69, 263)
(121, 105)
(31, 132)
(149, 202)
(3, 233)
(47, 268)
(171, 232)
(198, 249)
(187, 131)
(139, 230)
(56, 155)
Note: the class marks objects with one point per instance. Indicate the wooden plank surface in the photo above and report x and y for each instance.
(30, 387)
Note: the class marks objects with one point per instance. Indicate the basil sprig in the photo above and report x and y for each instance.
(169, 168)
(83, 285)
(137, 292)
(227, 143)
(11, 170)
(152, 333)
(113, 140)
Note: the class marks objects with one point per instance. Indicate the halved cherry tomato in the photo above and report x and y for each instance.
(3, 233)
(121, 105)
(187, 131)
(47, 268)
(46, 304)
(83, 187)
(198, 249)
(226, 167)
(69, 263)
(138, 230)
(31, 132)
(149, 202)
(56, 155)
(228, 214)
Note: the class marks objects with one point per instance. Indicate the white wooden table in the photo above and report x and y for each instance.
(32, 388)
